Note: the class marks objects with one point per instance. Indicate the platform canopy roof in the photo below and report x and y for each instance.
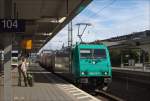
(43, 18)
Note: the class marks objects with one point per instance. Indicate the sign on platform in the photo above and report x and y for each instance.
(12, 25)
(27, 44)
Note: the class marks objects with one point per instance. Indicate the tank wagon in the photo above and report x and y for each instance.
(90, 65)
(45, 59)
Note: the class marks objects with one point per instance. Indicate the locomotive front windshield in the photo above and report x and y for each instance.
(92, 53)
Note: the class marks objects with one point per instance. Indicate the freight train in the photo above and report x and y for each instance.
(90, 64)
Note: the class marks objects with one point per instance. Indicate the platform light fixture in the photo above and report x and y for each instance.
(62, 19)
(53, 20)
(41, 40)
(47, 34)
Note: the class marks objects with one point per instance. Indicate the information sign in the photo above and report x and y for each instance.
(12, 25)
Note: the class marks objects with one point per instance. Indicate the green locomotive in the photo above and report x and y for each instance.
(90, 65)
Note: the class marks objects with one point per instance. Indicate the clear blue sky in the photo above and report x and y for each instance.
(109, 18)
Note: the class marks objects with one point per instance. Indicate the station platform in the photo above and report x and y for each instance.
(47, 87)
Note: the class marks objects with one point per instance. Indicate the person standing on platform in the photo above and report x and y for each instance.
(22, 69)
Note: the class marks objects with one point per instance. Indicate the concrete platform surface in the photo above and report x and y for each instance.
(47, 87)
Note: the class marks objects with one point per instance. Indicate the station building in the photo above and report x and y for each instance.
(132, 50)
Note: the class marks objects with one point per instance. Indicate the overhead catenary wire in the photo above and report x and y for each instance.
(106, 6)
(100, 10)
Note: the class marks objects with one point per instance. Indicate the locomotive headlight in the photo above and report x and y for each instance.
(93, 62)
(105, 73)
(82, 73)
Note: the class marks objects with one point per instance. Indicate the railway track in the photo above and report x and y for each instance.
(104, 96)
(122, 90)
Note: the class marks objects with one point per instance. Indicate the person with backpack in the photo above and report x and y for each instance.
(22, 69)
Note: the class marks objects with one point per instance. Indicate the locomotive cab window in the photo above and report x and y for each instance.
(92, 53)
(99, 53)
(85, 53)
